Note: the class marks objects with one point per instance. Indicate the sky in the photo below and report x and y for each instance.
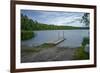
(55, 17)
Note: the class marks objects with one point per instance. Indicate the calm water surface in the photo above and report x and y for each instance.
(73, 37)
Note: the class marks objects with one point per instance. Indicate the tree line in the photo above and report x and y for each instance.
(29, 24)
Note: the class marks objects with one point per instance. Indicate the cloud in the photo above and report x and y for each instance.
(55, 17)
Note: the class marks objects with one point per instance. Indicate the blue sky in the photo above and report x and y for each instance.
(55, 17)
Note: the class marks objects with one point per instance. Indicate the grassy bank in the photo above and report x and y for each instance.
(80, 54)
(25, 35)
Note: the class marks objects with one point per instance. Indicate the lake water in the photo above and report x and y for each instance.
(73, 37)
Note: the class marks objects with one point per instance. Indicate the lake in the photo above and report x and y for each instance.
(73, 37)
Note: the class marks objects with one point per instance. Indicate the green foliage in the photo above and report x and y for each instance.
(85, 19)
(25, 35)
(80, 54)
(29, 24)
(85, 41)
(26, 23)
(26, 28)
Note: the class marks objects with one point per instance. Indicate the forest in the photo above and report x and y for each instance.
(29, 24)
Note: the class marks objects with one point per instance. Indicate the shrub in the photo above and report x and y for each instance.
(85, 41)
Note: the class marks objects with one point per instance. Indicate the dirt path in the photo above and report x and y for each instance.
(49, 54)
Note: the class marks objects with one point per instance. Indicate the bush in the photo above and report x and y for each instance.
(85, 41)
(25, 35)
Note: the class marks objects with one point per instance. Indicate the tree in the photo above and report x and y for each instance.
(85, 19)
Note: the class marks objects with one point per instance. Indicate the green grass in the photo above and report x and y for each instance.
(25, 35)
(80, 54)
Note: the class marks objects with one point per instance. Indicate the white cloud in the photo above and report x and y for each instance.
(56, 17)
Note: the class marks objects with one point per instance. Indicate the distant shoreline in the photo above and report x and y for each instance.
(56, 29)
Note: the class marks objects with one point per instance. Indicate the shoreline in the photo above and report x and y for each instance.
(47, 54)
